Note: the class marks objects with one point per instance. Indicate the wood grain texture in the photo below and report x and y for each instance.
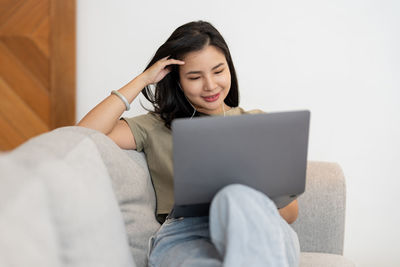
(41, 37)
(12, 138)
(29, 89)
(14, 110)
(37, 68)
(25, 18)
(27, 52)
(62, 77)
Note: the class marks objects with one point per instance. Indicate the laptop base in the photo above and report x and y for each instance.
(195, 210)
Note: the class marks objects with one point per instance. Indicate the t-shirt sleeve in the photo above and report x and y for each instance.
(140, 128)
(255, 111)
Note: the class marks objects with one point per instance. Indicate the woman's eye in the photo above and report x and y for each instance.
(218, 72)
(193, 78)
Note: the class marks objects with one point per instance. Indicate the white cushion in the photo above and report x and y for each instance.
(60, 211)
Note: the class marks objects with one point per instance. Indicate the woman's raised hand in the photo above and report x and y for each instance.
(159, 70)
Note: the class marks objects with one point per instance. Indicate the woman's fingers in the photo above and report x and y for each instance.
(160, 69)
(165, 61)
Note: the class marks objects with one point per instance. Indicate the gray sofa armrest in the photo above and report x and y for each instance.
(132, 187)
(320, 225)
(57, 204)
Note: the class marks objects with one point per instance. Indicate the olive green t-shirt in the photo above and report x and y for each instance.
(155, 140)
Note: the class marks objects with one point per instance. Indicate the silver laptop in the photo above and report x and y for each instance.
(267, 152)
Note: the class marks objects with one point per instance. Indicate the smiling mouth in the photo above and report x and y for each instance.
(211, 98)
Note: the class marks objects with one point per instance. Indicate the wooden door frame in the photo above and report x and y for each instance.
(62, 63)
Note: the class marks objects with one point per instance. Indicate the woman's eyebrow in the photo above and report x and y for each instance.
(197, 71)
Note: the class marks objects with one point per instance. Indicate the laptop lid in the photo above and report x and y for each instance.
(267, 152)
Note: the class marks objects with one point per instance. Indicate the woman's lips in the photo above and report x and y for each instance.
(211, 98)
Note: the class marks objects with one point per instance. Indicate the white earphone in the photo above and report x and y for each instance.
(194, 112)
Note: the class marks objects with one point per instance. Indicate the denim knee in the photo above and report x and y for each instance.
(238, 190)
(235, 189)
(240, 194)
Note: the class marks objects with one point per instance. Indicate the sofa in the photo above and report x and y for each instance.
(72, 197)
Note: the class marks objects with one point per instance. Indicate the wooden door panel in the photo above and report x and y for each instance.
(23, 83)
(19, 115)
(25, 18)
(26, 51)
(12, 138)
(41, 37)
(37, 68)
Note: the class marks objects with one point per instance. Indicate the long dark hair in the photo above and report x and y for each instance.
(168, 100)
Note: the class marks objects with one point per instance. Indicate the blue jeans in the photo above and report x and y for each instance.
(244, 229)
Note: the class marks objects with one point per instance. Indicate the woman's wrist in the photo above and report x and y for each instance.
(141, 80)
(132, 89)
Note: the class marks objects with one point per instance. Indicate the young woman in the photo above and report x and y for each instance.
(193, 75)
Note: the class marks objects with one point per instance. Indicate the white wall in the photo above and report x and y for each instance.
(340, 59)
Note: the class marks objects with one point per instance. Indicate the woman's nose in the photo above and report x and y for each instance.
(210, 84)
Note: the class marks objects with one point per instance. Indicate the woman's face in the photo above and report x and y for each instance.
(205, 79)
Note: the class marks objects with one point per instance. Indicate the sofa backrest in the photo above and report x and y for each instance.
(321, 220)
